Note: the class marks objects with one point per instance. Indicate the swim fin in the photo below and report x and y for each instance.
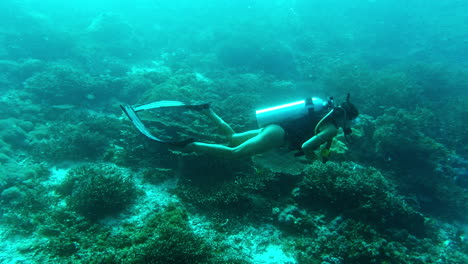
(168, 104)
(131, 112)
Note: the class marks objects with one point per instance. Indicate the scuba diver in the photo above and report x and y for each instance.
(303, 126)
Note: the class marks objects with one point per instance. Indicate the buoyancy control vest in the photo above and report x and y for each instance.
(298, 119)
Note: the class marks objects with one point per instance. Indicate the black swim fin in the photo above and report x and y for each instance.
(170, 104)
(132, 115)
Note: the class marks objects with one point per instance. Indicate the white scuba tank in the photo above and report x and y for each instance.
(290, 111)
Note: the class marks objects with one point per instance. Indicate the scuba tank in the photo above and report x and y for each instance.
(294, 110)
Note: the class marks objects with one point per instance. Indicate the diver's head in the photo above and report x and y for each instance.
(349, 113)
(350, 110)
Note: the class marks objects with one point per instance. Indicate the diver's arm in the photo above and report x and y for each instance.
(326, 134)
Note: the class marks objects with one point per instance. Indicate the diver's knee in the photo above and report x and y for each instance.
(274, 134)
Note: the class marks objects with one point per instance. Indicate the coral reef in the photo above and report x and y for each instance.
(172, 240)
(15, 132)
(399, 138)
(58, 143)
(165, 237)
(61, 84)
(219, 184)
(99, 190)
(79, 184)
(15, 72)
(421, 165)
(22, 196)
(347, 241)
(358, 192)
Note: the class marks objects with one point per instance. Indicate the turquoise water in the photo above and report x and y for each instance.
(79, 184)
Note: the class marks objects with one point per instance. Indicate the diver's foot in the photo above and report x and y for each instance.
(198, 107)
(187, 149)
(210, 113)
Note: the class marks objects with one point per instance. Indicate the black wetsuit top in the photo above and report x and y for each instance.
(298, 131)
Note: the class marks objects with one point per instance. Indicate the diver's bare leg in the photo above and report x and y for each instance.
(270, 137)
(224, 127)
(235, 139)
(239, 138)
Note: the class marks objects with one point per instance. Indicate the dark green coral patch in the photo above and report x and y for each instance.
(61, 84)
(14, 131)
(174, 242)
(359, 192)
(227, 186)
(97, 191)
(87, 139)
